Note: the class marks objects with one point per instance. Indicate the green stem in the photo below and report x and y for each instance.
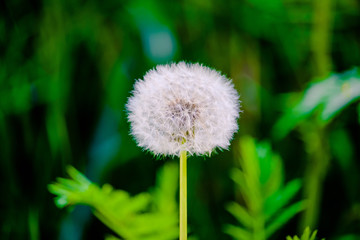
(321, 37)
(317, 146)
(183, 196)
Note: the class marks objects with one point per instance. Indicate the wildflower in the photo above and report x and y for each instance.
(183, 107)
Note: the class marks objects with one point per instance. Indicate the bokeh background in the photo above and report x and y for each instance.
(67, 68)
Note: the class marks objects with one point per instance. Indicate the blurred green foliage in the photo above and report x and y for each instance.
(261, 185)
(144, 216)
(324, 98)
(66, 70)
(307, 235)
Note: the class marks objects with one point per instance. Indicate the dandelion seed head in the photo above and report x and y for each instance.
(183, 106)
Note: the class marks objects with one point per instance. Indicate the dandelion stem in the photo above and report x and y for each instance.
(183, 196)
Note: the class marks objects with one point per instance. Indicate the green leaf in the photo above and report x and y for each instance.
(283, 217)
(166, 188)
(313, 235)
(239, 178)
(275, 180)
(266, 163)
(77, 176)
(307, 235)
(138, 203)
(237, 232)
(241, 214)
(250, 162)
(110, 237)
(282, 197)
(323, 98)
(131, 217)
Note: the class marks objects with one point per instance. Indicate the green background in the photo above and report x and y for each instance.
(67, 69)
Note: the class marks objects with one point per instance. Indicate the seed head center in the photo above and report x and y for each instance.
(183, 115)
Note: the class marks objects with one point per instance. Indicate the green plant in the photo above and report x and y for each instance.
(265, 198)
(307, 235)
(146, 216)
(311, 112)
(321, 101)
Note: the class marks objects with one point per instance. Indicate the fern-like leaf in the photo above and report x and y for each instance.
(307, 235)
(267, 201)
(146, 216)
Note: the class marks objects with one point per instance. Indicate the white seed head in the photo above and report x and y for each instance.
(183, 107)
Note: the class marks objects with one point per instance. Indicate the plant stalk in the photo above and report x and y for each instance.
(183, 196)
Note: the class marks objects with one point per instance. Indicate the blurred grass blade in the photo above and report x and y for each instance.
(313, 235)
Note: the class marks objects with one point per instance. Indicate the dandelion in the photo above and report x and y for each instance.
(182, 109)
